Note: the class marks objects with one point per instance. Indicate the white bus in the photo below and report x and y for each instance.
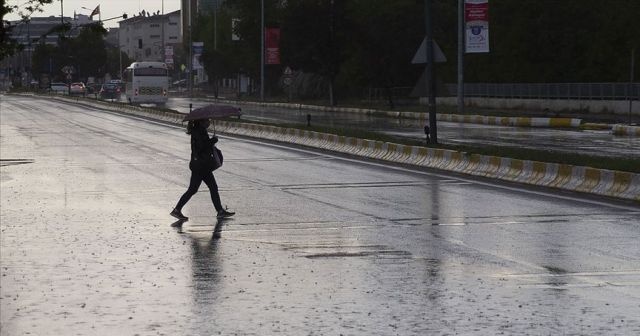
(146, 82)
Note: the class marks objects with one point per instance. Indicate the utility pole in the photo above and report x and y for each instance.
(162, 52)
(190, 80)
(61, 11)
(633, 54)
(119, 52)
(215, 25)
(431, 73)
(262, 50)
(215, 47)
(461, 26)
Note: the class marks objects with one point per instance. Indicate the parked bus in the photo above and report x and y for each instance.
(146, 82)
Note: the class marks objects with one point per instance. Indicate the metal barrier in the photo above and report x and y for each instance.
(582, 91)
(586, 91)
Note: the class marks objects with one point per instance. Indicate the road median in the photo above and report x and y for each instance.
(555, 122)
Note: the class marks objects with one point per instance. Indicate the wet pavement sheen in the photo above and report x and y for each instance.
(320, 245)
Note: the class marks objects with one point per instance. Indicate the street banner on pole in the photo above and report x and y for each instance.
(168, 54)
(234, 29)
(198, 48)
(476, 17)
(272, 45)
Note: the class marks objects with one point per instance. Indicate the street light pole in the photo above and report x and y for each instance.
(162, 52)
(215, 25)
(461, 50)
(262, 50)
(633, 56)
(119, 53)
(431, 73)
(190, 80)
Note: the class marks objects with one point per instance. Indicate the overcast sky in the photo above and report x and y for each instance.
(108, 8)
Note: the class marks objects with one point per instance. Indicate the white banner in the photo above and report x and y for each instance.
(476, 17)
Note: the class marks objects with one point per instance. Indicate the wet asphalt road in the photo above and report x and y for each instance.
(590, 142)
(320, 245)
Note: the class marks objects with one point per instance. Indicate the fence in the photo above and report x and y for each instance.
(586, 91)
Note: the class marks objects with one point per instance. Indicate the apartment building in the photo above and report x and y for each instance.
(143, 37)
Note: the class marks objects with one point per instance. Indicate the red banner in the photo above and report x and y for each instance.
(272, 45)
(476, 11)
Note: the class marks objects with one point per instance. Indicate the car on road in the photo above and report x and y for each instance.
(77, 89)
(57, 87)
(110, 91)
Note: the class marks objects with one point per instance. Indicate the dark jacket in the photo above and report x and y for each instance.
(201, 148)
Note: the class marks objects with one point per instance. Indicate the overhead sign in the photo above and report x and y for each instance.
(476, 17)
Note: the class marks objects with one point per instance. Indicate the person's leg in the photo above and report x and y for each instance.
(210, 181)
(194, 184)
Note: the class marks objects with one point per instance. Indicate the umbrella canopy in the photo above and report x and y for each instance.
(213, 112)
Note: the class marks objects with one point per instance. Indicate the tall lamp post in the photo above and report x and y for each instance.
(262, 50)
(431, 73)
(162, 52)
(461, 56)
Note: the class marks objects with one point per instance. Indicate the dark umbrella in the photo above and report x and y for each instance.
(213, 112)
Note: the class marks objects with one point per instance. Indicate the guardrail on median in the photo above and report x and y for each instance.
(625, 130)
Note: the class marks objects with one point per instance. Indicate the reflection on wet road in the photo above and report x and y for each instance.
(319, 245)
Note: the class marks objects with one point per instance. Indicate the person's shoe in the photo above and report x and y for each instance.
(178, 214)
(224, 214)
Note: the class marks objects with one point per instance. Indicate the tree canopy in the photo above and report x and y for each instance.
(9, 46)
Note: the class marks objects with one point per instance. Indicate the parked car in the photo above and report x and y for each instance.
(77, 89)
(59, 88)
(92, 88)
(118, 82)
(110, 91)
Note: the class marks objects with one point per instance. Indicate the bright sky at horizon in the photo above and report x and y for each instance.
(108, 8)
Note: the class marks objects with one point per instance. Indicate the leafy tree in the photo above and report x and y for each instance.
(44, 60)
(218, 62)
(381, 46)
(89, 51)
(315, 35)
(8, 46)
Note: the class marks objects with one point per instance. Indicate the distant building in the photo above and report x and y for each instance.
(31, 33)
(144, 36)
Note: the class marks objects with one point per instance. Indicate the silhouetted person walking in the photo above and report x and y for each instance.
(201, 169)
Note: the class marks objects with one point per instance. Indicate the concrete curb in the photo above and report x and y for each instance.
(473, 119)
(626, 130)
(618, 184)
